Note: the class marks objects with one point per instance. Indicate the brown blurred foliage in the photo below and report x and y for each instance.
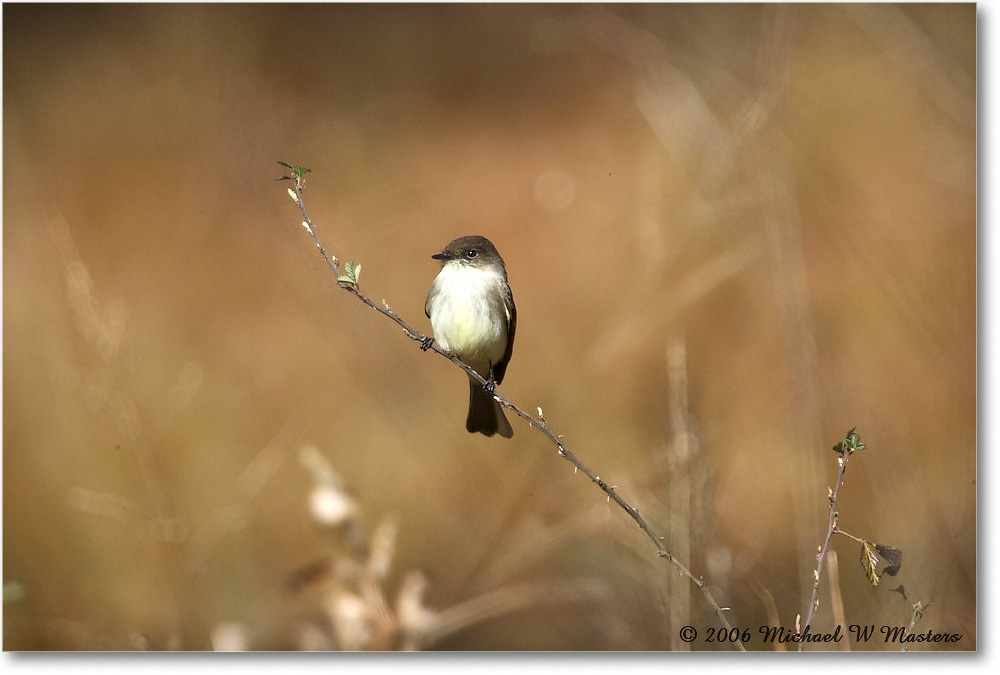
(732, 232)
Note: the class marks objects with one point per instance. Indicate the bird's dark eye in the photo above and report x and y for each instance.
(471, 253)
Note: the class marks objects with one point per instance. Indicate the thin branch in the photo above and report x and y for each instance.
(918, 613)
(349, 283)
(845, 448)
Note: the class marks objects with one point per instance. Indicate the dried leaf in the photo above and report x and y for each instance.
(893, 556)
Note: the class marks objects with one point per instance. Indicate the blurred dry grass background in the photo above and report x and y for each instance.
(732, 232)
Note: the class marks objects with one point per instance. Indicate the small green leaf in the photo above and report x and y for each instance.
(851, 442)
(298, 171)
(854, 440)
(351, 273)
(298, 175)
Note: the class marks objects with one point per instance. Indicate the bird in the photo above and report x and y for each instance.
(473, 316)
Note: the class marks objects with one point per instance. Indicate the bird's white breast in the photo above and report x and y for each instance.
(464, 319)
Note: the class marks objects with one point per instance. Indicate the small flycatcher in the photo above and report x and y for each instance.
(472, 313)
